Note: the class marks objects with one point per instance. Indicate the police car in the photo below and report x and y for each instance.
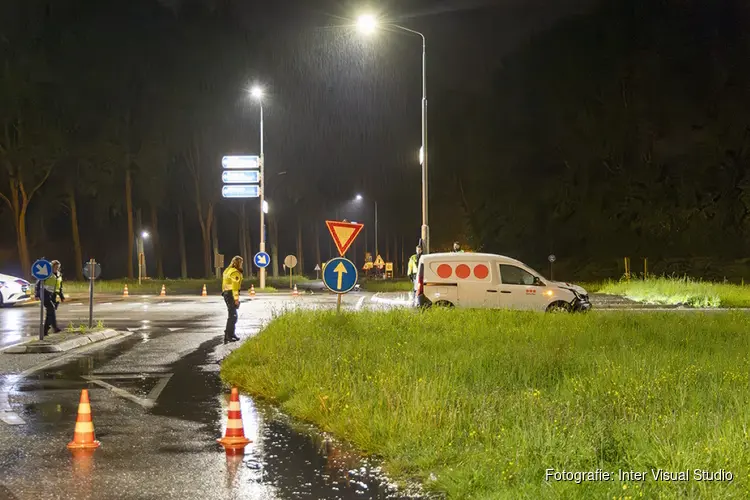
(481, 280)
(13, 290)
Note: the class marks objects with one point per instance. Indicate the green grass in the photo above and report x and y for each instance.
(187, 287)
(478, 403)
(387, 285)
(672, 291)
(83, 328)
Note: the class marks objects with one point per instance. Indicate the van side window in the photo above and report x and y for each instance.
(512, 275)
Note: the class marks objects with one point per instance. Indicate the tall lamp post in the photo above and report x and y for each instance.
(257, 94)
(359, 198)
(141, 256)
(367, 24)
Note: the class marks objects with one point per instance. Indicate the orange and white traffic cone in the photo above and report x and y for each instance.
(204, 293)
(163, 291)
(252, 290)
(295, 293)
(234, 440)
(83, 437)
(125, 291)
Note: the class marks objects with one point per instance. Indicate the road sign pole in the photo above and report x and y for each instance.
(40, 283)
(338, 303)
(92, 272)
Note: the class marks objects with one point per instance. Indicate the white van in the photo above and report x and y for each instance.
(482, 280)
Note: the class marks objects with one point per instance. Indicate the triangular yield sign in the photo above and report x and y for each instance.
(343, 233)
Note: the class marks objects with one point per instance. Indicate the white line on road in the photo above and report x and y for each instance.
(359, 303)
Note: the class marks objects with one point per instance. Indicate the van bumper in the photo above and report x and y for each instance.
(581, 304)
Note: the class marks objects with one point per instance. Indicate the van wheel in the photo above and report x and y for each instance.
(559, 307)
(444, 303)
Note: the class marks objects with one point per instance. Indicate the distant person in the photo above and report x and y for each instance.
(413, 266)
(230, 290)
(457, 247)
(50, 292)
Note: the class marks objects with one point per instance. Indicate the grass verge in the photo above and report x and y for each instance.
(685, 291)
(177, 287)
(384, 286)
(478, 404)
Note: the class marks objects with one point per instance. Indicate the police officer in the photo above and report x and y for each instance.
(230, 290)
(457, 247)
(413, 266)
(50, 292)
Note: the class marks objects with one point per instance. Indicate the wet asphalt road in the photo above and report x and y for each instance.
(158, 406)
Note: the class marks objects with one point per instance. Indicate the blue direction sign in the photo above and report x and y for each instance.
(41, 269)
(262, 259)
(240, 176)
(340, 275)
(241, 162)
(240, 191)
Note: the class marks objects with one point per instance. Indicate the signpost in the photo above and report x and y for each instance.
(340, 277)
(240, 162)
(290, 261)
(240, 176)
(262, 260)
(41, 270)
(343, 234)
(240, 191)
(340, 274)
(91, 270)
(317, 271)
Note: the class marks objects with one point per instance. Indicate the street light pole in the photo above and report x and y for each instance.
(262, 198)
(425, 226)
(376, 230)
(368, 23)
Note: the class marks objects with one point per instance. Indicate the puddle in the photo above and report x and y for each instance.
(285, 460)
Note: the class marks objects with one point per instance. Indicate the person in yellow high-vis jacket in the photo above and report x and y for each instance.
(230, 290)
(50, 292)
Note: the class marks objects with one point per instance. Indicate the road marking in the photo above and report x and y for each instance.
(147, 402)
(359, 303)
(7, 415)
(175, 329)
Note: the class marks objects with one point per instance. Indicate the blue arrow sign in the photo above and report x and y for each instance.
(240, 191)
(240, 176)
(41, 269)
(240, 162)
(340, 275)
(262, 259)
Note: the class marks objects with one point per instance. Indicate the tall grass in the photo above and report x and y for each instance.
(478, 404)
(684, 291)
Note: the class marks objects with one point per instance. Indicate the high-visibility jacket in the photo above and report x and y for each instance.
(413, 265)
(232, 280)
(53, 285)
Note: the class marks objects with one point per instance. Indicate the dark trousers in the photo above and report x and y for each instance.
(231, 315)
(51, 320)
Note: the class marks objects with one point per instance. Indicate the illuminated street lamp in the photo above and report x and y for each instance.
(360, 198)
(368, 24)
(144, 235)
(257, 94)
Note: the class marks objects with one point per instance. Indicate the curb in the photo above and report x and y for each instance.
(36, 347)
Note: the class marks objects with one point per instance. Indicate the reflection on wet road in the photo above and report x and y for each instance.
(166, 449)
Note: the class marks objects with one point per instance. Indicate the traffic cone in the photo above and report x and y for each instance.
(83, 437)
(163, 291)
(295, 293)
(204, 293)
(125, 292)
(252, 290)
(234, 440)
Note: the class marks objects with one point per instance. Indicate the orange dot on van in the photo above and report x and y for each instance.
(481, 271)
(463, 271)
(444, 271)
